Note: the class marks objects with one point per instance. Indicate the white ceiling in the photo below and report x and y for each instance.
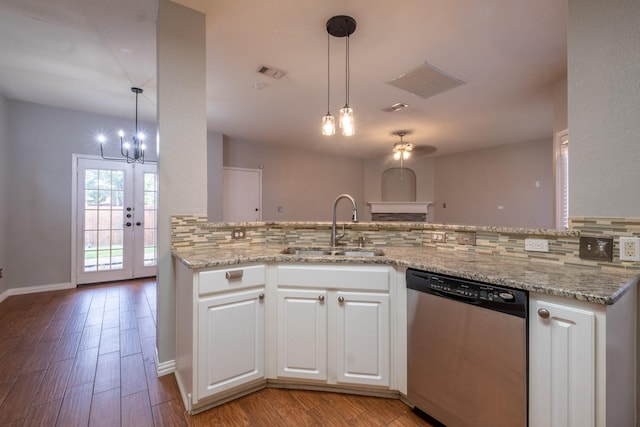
(86, 55)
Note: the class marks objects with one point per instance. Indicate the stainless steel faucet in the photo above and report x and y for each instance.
(334, 236)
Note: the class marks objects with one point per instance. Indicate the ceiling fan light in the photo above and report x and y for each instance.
(406, 155)
(396, 155)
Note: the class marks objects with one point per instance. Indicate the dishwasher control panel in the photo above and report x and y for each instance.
(475, 290)
(507, 300)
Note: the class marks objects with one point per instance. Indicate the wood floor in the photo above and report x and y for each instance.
(86, 357)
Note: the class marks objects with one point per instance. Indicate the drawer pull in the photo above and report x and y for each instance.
(261, 297)
(235, 274)
(544, 313)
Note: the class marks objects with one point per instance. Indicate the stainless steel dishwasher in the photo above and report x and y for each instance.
(467, 351)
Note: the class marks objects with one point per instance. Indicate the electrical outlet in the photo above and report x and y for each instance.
(596, 248)
(1, 273)
(439, 237)
(629, 248)
(536, 245)
(467, 239)
(238, 233)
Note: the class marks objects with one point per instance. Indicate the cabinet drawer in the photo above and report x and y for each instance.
(373, 278)
(231, 278)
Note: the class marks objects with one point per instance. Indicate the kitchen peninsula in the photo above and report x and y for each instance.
(251, 313)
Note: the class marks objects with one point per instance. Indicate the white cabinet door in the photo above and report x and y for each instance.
(362, 338)
(302, 334)
(562, 345)
(230, 348)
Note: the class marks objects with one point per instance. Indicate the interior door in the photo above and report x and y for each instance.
(115, 219)
(242, 195)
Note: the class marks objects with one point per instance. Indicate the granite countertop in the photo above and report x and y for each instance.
(585, 284)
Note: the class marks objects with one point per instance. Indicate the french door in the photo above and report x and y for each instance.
(116, 211)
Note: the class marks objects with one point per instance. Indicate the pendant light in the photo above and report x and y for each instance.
(343, 26)
(328, 121)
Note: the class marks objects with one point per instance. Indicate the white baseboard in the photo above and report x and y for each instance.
(164, 368)
(35, 289)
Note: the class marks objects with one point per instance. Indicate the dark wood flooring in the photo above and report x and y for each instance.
(86, 357)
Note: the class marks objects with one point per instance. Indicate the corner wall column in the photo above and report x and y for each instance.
(182, 145)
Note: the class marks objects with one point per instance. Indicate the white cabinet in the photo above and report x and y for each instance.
(302, 334)
(230, 341)
(220, 332)
(333, 324)
(562, 363)
(581, 362)
(362, 338)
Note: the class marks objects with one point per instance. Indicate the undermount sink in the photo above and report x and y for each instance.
(353, 252)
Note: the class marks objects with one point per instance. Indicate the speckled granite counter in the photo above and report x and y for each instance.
(599, 287)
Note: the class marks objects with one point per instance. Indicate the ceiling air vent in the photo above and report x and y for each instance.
(271, 72)
(426, 81)
(395, 107)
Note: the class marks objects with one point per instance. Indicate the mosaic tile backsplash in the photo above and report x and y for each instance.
(194, 230)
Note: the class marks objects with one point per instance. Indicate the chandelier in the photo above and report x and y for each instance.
(340, 26)
(132, 151)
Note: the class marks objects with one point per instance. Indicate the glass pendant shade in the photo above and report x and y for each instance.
(397, 155)
(347, 123)
(328, 124)
(406, 155)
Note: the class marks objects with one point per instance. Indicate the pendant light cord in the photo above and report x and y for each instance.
(136, 134)
(328, 72)
(347, 69)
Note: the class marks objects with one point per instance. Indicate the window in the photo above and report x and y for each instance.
(561, 148)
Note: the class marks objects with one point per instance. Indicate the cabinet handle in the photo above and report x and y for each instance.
(321, 298)
(235, 274)
(261, 297)
(543, 312)
(340, 300)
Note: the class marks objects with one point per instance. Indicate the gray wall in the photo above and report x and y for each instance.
(303, 182)
(4, 190)
(474, 184)
(604, 108)
(214, 176)
(42, 140)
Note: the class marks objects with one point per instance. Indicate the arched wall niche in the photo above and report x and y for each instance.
(398, 185)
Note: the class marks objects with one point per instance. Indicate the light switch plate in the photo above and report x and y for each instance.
(438, 237)
(596, 248)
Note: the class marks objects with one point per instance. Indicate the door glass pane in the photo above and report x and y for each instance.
(104, 196)
(150, 215)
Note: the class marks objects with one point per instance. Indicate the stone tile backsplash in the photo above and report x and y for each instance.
(194, 230)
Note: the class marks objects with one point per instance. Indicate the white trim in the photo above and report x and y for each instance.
(399, 207)
(74, 209)
(557, 145)
(35, 289)
(165, 368)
